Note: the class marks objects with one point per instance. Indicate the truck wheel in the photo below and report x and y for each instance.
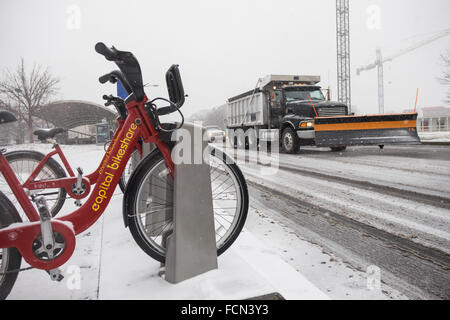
(240, 139)
(338, 149)
(252, 140)
(290, 141)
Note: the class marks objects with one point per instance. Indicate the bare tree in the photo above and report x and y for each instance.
(27, 93)
(214, 116)
(445, 79)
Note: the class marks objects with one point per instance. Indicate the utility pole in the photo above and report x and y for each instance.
(380, 67)
(343, 52)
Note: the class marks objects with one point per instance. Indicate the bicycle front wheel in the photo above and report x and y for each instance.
(132, 163)
(148, 203)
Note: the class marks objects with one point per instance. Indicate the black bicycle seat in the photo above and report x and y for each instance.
(44, 134)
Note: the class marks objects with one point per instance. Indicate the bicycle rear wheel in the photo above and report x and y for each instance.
(10, 259)
(23, 163)
(148, 203)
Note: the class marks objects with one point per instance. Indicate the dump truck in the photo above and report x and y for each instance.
(294, 110)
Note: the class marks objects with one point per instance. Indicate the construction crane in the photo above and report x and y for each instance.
(343, 51)
(380, 61)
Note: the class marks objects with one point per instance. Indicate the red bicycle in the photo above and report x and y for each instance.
(32, 167)
(46, 243)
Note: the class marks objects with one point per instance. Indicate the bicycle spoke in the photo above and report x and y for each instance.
(158, 222)
(153, 211)
(152, 201)
(169, 224)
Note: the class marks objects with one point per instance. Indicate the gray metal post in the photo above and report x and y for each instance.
(191, 248)
(380, 82)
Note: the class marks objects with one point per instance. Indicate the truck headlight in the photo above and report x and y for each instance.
(306, 124)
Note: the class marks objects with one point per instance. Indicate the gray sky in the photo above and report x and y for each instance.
(223, 47)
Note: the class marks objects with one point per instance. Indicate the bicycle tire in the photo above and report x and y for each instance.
(10, 258)
(126, 173)
(132, 197)
(51, 166)
(106, 145)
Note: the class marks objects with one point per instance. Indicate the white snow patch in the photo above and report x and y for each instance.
(435, 136)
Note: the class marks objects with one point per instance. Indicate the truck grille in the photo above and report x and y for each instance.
(332, 111)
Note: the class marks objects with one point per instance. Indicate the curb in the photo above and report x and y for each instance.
(436, 143)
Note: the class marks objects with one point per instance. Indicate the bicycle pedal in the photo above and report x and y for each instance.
(55, 275)
(78, 203)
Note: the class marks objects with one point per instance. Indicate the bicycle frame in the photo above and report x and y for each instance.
(21, 235)
(67, 183)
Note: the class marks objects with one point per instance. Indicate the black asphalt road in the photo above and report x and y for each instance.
(418, 271)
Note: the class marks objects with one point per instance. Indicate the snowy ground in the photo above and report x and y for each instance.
(427, 224)
(399, 197)
(435, 137)
(271, 256)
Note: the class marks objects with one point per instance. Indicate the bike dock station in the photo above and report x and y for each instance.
(191, 248)
(191, 245)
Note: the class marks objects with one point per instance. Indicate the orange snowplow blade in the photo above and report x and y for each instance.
(366, 130)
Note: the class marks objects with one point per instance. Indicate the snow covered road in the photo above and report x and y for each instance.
(369, 207)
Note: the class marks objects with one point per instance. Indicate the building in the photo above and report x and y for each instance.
(78, 118)
(434, 119)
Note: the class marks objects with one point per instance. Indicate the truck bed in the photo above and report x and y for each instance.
(250, 110)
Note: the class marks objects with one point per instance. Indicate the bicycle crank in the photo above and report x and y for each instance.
(46, 241)
(44, 245)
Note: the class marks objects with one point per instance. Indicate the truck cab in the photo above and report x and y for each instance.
(293, 109)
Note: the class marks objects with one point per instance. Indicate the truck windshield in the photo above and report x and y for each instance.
(301, 95)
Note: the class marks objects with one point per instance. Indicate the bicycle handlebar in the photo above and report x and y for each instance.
(129, 67)
(107, 77)
(109, 53)
(131, 78)
(113, 76)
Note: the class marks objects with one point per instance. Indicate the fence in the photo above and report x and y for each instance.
(434, 124)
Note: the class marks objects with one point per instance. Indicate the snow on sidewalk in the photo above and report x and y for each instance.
(112, 266)
(246, 270)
